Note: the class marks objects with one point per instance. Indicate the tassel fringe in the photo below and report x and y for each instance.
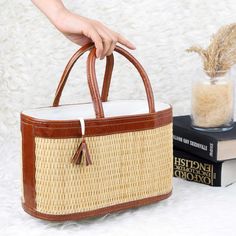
(82, 151)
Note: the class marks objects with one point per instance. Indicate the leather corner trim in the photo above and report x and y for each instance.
(28, 164)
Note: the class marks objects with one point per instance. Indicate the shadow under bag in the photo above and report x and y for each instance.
(90, 159)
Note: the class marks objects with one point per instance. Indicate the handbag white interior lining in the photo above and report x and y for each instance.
(86, 110)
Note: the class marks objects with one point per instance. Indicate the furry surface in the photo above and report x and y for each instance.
(32, 57)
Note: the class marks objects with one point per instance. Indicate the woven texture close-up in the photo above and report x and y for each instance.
(126, 167)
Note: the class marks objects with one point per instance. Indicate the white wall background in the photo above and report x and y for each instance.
(32, 57)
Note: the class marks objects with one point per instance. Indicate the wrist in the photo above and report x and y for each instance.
(58, 17)
(53, 9)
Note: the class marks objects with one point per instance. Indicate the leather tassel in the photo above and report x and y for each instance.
(77, 158)
(82, 151)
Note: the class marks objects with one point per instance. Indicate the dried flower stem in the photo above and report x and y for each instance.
(220, 55)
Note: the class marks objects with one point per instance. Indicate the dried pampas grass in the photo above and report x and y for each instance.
(220, 55)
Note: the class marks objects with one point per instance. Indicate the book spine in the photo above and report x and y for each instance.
(193, 168)
(195, 143)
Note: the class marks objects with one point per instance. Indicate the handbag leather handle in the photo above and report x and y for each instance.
(93, 86)
(69, 66)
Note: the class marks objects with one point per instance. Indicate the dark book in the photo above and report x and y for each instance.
(190, 167)
(214, 146)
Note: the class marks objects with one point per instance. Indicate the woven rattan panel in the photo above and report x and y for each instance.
(125, 167)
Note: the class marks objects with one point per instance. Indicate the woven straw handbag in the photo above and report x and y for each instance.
(90, 159)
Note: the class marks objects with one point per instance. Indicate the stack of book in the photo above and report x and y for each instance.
(204, 157)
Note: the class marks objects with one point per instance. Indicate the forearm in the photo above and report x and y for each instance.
(81, 30)
(53, 9)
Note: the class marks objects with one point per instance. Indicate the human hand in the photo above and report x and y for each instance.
(82, 30)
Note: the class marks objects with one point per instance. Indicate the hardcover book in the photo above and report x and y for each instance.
(214, 146)
(190, 167)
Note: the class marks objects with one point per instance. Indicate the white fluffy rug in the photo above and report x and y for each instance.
(32, 57)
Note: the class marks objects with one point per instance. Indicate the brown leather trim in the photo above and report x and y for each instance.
(92, 80)
(95, 213)
(93, 85)
(28, 164)
(69, 66)
(97, 127)
(107, 78)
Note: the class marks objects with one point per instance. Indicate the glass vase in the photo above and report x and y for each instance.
(212, 107)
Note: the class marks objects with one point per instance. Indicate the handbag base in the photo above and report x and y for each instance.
(97, 212)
